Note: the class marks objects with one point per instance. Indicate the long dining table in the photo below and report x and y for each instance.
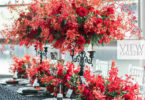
(10, 92)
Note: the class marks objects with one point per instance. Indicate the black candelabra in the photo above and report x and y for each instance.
(82, 59)
(41, 53)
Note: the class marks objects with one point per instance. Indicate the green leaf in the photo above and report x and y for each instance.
(64, 72)
(39, 30)
(113, 94)
(79, 98)
(95, 38)
(37, 65)
(91, 14)
(123, 92)
(86, 17)
(57, 15)
(102, 43)
(79, 20)
(63, 23)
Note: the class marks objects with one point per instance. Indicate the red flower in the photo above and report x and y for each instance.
(99, 20)
(134, 18)
(59, 9)
(51, 39)
(32, 34)
(96, 12)
(100, 41)
(40, 69)
(60, 72)
(126, 96)
(81, 40)
(90, 8)
(50, 88)
(110, 11)
(90, 97)
(73, 5)
(22, 15)
(66, 78)
(59, 43)
(82, 11)
(25, 76)
(86, 92)
(69, 72)
(113, 63)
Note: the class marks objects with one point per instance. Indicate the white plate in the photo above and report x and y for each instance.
(3, 81)
(30, 88)
(25, 88)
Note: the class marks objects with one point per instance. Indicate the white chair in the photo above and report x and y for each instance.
(102, 68)
(142, 95)
(136, 73)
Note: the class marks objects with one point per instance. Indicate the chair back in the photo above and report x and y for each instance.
(136, 73)
(102, 68)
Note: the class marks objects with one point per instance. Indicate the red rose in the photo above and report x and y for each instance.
(66, 78)
(40, 69)
(60, 72)
(82, 11)
(108, 98)
(106, 39)
(90, 97)
(73, 5)
(59, 43)
(110, 11)
(22, 14)
(126, 96)
(134, 18)
(25, 76)
(99, 20)
(32, 34)
(51, 39)
(81, 40)
(50, 88)
(69, 72)
(59, 9)
(100, 41)
(86, 92)
(90, 8)
(96, 12)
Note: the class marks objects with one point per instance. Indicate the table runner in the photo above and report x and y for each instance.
(10, 93)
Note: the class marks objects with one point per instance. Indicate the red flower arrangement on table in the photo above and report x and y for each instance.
(19, 66)
(38, 70)
(97, 87)
(50, 75)
(70, 24)
(111, 88)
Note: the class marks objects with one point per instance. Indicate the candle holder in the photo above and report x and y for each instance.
(91, 57)
(41, 53)
(82, 59)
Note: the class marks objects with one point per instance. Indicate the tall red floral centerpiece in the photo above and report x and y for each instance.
(71, 24)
